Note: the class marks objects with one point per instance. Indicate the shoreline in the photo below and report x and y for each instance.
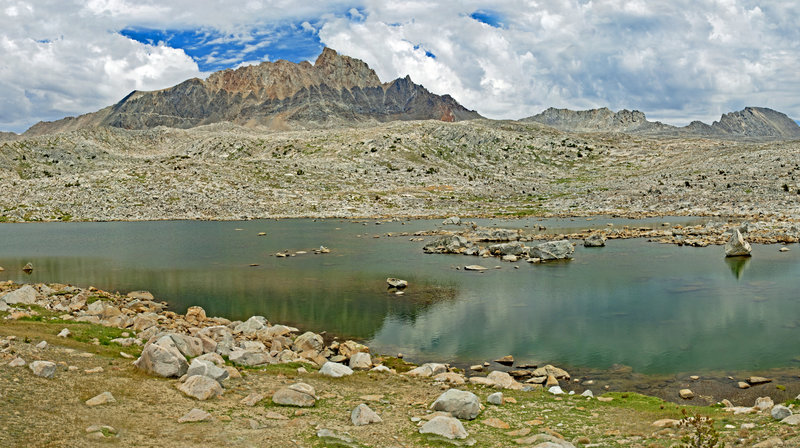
(110, 330)
(712, 385)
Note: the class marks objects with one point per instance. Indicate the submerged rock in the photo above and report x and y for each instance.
(396, 283)
(594, 240)
(553, 250)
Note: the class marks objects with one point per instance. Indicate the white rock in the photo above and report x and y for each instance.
(793, 420)
(363, 415)
(25, 295)
(201, 387)
(65, 333)
(587, 393)
(308, 341)
(461, 404)
(764, 403)
(249, 357)
(195, 415)
(737, 246)
(44, 369)
(335, 370)
(162, 358)
(251, 325)
(427, 369)
(556, 390)
(103, 398)
(360, 361)
(447, 427)
(17, 362)
(381, 368)
(42, 345)
(298, 394)
(207, 368)
(495, 398)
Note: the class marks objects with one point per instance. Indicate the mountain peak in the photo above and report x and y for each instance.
(335, 90)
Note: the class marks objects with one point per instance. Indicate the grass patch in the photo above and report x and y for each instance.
(397, 364)
(95, 298)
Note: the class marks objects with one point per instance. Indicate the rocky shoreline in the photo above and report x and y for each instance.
(204, 354)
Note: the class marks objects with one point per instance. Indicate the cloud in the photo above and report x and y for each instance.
(677, 61)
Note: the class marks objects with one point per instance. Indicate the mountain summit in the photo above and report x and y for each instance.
(335, 90)
(749, 123)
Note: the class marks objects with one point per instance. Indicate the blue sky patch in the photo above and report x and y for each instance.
(427, 53)
(214, 50)
(491, 18)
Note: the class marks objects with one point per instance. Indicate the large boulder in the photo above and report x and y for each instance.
(335, 370)
(459, 403)
(162, 358)
(361, 361)
(447, 427)
(249, 357)
(594, 240)
(507, 249)
(251, 326)
(553, 250)
(207, 368)
(201, 387)
(308, 341)
(780, 412)
(298, 394)
(25, 296)
(451, 244)
(737, 246)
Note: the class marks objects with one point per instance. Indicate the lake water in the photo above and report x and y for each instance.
(656, 308)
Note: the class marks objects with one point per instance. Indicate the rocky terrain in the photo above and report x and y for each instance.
(282, 95)
(400, 168)
(751, 123)
(68, 378)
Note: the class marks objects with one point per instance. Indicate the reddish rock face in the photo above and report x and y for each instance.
(335, 90)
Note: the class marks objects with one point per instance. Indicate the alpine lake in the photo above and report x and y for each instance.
(632, 309)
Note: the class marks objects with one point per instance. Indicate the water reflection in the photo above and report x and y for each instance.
(737, 265)
(653, 307)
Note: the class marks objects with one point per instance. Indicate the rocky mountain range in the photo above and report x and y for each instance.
(280, 95)
(749, 123)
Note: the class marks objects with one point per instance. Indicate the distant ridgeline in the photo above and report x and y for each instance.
(339, 90)
(751, 122)
(335, 90)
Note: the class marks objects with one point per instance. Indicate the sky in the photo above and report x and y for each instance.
(677, 60)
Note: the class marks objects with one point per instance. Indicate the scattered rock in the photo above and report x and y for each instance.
(666, 423)
(361, 361)
(363, 415)
(496, 423)
(195, 415)
(743, 385)
(207, 368)
(298, 394)
(28, 268)
(754, 380)
(686, 394)
(251, 325)
(25, 295)
(44, 369)
(17, 362)
(780, 412)
(594, 240)
(427, 369)
(447, 427)
(544, 441)
(556, 390)
(396, 283)
(335, 370)
(507, 360)
(737, 246)
(495, 398)
(249, 358)
(252, 399)
(452, 221)
(475, 267)
(308, 341)
(553, 250)
(101, 399)
(793, 420)
(65, 333)
(200, 387)
(333, 438)
(764, 403)
(42, 345)
(587, 393)
(101, 432)
(461, 404)
(162, 358)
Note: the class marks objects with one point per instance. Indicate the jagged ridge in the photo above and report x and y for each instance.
(336, 89)
(751, 122)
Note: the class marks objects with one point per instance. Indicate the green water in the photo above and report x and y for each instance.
(656, 308)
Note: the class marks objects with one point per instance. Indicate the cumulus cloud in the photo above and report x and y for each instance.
(676, 61)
